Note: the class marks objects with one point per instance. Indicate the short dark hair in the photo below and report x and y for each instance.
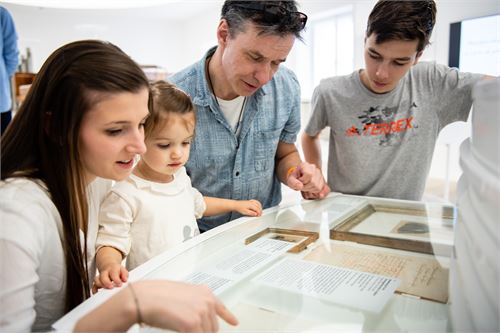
(287, 21)
(402, 20)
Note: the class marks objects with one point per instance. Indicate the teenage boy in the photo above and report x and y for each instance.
(384, 119)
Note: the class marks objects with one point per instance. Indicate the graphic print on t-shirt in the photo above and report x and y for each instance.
(384, 122)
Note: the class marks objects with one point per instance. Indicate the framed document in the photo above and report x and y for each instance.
(413, 228)
(421, 275)
(299, 237)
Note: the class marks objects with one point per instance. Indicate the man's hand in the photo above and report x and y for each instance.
(308, 179)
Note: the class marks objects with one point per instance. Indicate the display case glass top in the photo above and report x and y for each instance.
(289, 271)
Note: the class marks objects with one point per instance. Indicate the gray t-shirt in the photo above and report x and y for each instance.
(382, 144)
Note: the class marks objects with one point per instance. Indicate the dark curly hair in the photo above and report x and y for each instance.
(271, 17)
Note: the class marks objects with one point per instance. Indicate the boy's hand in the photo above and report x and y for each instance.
(112, 276)
(249, 207)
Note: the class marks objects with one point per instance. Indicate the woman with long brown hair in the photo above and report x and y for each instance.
(81, 123)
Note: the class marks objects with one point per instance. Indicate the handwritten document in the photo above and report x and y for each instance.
(235, 266)
(336, 284)
(420, 276)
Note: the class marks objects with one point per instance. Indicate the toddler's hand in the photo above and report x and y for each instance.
(249, 207)
(113, 276)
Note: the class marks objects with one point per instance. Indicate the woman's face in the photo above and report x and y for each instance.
(112, 135)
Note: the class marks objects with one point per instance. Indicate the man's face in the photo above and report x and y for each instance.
(249, 60)
(386, 63)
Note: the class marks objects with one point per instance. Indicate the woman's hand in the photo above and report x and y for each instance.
(181, 307)
(165, 304)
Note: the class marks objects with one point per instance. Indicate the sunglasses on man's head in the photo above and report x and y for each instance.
(274, 12)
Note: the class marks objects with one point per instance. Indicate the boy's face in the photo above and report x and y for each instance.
(386, 63)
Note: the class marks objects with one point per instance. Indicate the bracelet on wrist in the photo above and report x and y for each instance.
(136, 301)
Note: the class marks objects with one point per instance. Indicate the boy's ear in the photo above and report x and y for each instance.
(222, 32)
(417, 58)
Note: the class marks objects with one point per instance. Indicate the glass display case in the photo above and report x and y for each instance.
(338, 264)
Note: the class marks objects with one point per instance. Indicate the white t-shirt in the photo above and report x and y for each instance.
(233, 111)
(141, 218)
(33, 271)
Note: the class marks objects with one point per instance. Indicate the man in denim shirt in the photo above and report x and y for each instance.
(248, 109)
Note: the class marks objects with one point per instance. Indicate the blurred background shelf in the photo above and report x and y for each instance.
(21, 84)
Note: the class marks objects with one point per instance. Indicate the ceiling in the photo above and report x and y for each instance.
(154, 9)
(90, 4)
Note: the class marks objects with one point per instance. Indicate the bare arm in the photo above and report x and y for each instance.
(111, 271)
(216, 206)
(287, 157)
(312, 149)
(107, 256)
(120, 306)
(171, 305)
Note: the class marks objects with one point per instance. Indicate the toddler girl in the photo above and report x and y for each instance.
(156, 207)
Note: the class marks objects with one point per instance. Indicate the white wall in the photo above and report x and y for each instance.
(199, 35)
(148, 41)
(361, 10)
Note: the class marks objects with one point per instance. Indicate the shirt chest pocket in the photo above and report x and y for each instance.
(265, 145)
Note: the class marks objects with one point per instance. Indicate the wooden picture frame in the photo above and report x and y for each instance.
(344, 230)
(301, 237)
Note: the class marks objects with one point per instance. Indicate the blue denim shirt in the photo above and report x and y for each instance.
(8, 57)
(225, 166)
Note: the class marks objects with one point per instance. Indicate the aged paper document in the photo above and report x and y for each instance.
(335, 284)
(420, 276)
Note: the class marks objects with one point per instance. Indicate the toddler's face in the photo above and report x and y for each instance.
(168, 147)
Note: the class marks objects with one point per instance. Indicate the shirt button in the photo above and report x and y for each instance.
(237, 173)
